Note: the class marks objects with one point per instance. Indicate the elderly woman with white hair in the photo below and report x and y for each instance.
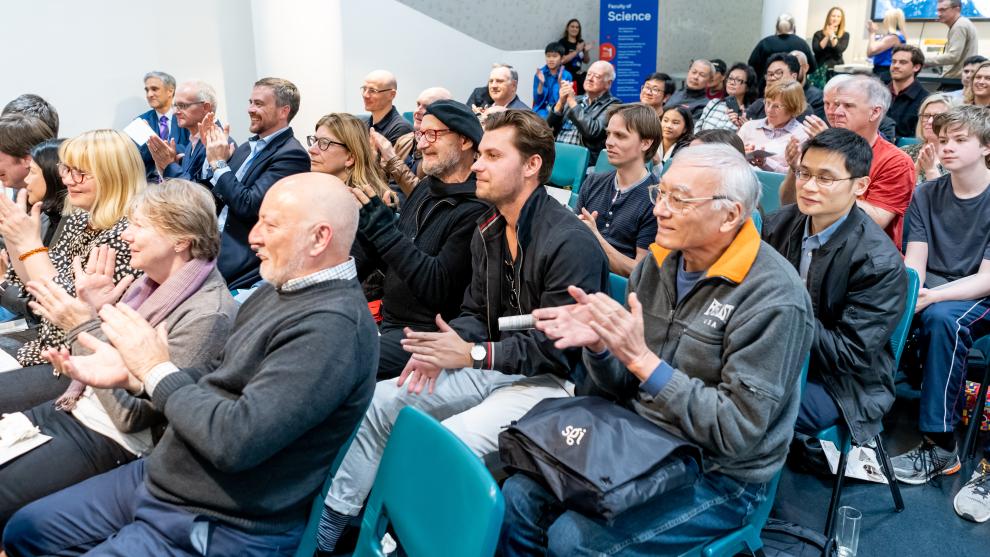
(173, 238)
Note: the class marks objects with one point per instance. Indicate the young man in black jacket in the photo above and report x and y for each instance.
(477, 378)
(856, 280)
(424, 254)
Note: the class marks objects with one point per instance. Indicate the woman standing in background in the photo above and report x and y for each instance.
(829, 42)
(883, 38)
(577, 52)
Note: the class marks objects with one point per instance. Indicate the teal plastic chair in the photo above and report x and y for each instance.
(904, 141)
(435, 493)
(770, 184)
(307, 544)
(602, 164)
(408, 116)
(569, 166)
(839, 434)
(747, 538)
(758, 221)
(617, 286)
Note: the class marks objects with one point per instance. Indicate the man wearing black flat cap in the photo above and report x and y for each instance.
(425, 254)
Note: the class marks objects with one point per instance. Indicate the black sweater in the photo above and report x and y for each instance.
(425, 254)
(251, 442)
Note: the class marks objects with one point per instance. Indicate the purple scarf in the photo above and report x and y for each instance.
(156, 301)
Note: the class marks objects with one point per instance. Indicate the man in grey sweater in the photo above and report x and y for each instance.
(710, 348)
(961, 43)
(251, 437)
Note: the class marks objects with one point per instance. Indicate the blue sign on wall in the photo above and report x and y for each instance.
(628, 39)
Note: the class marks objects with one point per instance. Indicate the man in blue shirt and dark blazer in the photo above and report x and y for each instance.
(159, 90)
(240, 178)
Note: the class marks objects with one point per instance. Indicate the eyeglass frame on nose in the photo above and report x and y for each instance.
(182, 107)
(651, 89)
(427, 134)
(78, 176)
(372, 91)
(321, 141)
(774, 74)
(656, 195)
(735, 81)
(820, 181)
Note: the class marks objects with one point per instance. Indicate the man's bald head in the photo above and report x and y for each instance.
(425, 99)
(383, 77)
(306, 223)
(378, 91)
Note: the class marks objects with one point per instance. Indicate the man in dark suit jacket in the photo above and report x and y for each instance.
(194, 100)
(159, 90)
(240, 178)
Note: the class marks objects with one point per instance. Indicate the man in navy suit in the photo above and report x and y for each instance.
(240, 178)
(159, 90)
(194, 101)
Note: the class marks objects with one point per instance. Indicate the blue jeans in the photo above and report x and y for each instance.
(537, 524)
(948, 328)
(114, 514)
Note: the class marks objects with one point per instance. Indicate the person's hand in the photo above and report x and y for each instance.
(444, 348)
(539, 76)
(926, 297)
(569, 325)
(104, 368)
(926, 159)
(590, 220)
(94, 283)
(53, 303)
(792, 154)
(419, 375)
(385, 148)
(813, 125)
(566, 90)
(141, 346)
(216, 140)
(622, 331)
(20, 229)
(737, 119)
(4, 265)
(163, 153)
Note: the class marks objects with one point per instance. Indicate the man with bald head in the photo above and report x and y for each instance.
(812, 94)
(581, 119)
(250, 437)
(378, 92)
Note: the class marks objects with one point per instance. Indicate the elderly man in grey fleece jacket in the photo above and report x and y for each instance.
(710, 349)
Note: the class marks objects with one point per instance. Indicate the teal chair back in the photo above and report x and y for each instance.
(617, 286)
(758, 221)
(408, 116)
(770, 186)
(569, 166)
(602, 164)
(904, 141)
(900, 334)
(435, 493)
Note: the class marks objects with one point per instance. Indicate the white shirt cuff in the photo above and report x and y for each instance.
(156, 374)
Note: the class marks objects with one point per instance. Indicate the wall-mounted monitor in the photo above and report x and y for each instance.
(924, 10)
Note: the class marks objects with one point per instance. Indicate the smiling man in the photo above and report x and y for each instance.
(503, 82)
(856, 280)
(240, 178)
(581, 119)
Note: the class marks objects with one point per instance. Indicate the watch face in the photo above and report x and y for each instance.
(478, 352)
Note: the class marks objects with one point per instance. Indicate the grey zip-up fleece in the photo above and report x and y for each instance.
(737, 343)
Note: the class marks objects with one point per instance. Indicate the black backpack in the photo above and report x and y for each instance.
(786, 539)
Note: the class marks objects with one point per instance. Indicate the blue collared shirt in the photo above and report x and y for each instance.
(257, 145)
(811, 243)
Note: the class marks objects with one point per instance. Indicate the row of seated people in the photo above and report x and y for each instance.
(517, 201)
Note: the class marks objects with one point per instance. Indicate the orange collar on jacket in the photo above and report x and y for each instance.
(735, 262)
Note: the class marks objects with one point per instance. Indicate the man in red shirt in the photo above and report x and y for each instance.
(858, 103)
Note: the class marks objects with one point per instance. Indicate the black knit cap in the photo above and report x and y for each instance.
(458, 117)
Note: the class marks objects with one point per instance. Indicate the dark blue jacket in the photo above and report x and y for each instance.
(180, 135)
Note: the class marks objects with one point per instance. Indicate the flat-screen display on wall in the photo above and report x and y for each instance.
(922, 10)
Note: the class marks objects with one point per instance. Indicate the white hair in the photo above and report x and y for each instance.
(877, 94)
(204, 92)
(738, 180)
(785, 24)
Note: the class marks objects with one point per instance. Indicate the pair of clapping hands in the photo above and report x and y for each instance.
(135, 346)
(595, 321)
(215, 139)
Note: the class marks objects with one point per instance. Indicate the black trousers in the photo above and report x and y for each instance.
(392, 358)
(28, 387)
(74, 454)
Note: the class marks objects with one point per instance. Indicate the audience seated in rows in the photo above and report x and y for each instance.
(423, 252)
(856, 280)
(708, 277)
(340, 146)
(692, 96)
(741, 90)
(174, 239)
(250, 435)
(580, 119)
(615, 205)
(924, 153)
(239, 178)
(378, 92)
(767, 138)
(948, 245)
(528, 250)
(908, 93)
(859, 103)
(159, 91)
(546, 82)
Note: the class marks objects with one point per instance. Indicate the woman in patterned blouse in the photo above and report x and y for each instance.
(102, 171)
(741, 85)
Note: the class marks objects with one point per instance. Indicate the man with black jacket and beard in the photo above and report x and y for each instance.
(425, 254)
(476, 378)
(856, 280)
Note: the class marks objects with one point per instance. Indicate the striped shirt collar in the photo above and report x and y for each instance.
(344, 271)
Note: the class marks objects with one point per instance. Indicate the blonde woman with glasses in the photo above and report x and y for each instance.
(341, 146)
(923, 154)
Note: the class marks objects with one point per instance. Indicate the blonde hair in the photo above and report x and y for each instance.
(353, 133)
(968, 96)
(790, 94)
(113, 160)
(919, 130)
(893, 21)
(842, 22)
(183, 211)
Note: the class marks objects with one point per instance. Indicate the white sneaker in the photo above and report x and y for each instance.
(973, 500)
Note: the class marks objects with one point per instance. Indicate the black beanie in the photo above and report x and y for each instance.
(458, 117)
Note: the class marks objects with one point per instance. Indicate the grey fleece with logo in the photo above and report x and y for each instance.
(737, 350)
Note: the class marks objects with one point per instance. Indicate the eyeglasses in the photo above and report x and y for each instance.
(929, 116)
(323, 142)
(822, 181)
(430, 135)
(735, 81)
(774, 75)
(185, 106)
(676, 202)
(78, 176)
(652, 90)
(372, 91)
